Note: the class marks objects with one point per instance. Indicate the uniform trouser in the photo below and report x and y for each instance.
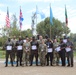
(55, 58)
(26, 57)
(49, 55)
(34, 53)
(9, 53)
(62, 56)
(42, 58)
(14, 54)
(19, 56)
(70, 58)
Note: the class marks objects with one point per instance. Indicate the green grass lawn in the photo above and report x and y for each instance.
(75, 53)
(2, 54)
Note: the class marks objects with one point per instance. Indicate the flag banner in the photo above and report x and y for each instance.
(21, 18)
(66, 17)
(51, 16)
(7, 19)
(40, 13)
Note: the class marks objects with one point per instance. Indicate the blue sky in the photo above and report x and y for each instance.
(29, 6)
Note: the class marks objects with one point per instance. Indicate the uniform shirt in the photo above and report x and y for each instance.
(19, 45)
(34, 45)
(9, 45)
(26, 46)
(49, 46)
(69, 46)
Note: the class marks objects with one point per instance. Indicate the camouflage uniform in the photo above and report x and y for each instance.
(42, 54)
(55, 54)
(26, 53)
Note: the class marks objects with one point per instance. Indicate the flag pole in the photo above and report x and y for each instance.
(20, 24)
(66, 19)
(36, 21)
(50, 20)
(50, 23)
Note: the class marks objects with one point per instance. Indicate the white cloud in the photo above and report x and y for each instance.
(2, 5)
(72, 24)
(2, 18)
(26, 26)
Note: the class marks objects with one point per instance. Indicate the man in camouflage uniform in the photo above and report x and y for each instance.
(26, 52)
(42, 53)
(55, 53)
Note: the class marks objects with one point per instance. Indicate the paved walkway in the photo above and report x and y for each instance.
(34, 70)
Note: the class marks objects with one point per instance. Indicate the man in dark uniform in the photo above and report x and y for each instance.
(49, 52)
(69, 52)
(19, 45)
(62, 51)
(34, 51)
(9, 47)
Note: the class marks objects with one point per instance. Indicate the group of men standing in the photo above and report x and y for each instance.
(47, 51)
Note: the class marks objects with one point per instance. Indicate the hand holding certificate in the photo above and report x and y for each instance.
(68, 49)
(58, 49)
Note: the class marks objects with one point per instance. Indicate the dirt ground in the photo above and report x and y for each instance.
(37, 70)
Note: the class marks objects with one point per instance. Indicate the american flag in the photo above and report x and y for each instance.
(7, 19)
(21, 18)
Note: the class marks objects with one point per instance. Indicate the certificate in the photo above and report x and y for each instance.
(50, 50)
(58, 49)
(24, 40)
(67, 49)
(19, 47)
(9, 47)
(65, 40)
(34, 47)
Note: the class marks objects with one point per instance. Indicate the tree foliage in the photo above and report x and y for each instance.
(57, 29)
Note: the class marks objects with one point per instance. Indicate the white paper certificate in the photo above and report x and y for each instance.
(34, 47)
(19, 47)
(9, 47)
(65, 40)
(24, 40)
(50, 50)
(67, 49)
(58, 49)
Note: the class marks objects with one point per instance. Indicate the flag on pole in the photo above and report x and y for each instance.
(7, 19)
(21, 18)
(51, 16)
(40, 13)
(66, 17)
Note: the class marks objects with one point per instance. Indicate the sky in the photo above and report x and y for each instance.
(29, 6)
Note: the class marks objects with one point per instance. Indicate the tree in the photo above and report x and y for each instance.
(57, 29)
(27, 32)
